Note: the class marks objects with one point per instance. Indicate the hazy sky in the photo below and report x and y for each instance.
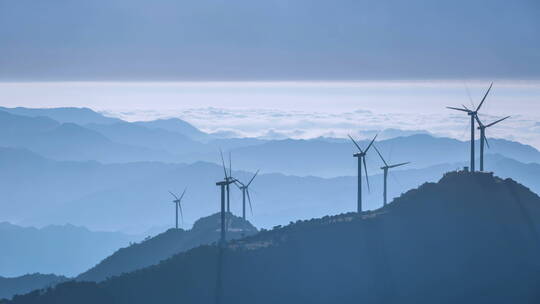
(269, 40)
(300, 109)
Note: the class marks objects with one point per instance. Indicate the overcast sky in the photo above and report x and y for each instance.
(268, 40)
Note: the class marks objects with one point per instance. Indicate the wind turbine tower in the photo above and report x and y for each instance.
(385, 169)
(178, 206)
(474, 115)
(361, 156)
(245, 191)
(228, 177)
(483, 139)
(222, 185)
(225, 187)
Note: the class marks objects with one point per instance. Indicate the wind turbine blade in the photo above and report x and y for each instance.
(465, 107)
(458, 109)
(238, 184)
(181, 213)
(371, 143)
(378, 152)
(486, 141)
(365, 170)
(230, 165)
(469, 94)
(176, 197)
(483, 99)
(249, 201)
(478, 120)
(397, 165)
(356, 144)
(497, 121)
(223, 163)
(395, 178)
(391, 150)
(252, 178)
(182, 196)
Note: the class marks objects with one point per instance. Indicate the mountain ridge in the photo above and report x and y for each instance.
(468, 229)
(129, 142)
(152, 250)
(87, 187)
(26, 283)
(59, 249)
(76, 115)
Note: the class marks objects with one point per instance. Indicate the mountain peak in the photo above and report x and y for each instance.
(176, 125)
(80, 116)
(213, 222)
(163, 246)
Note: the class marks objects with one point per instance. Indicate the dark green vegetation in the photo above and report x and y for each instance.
(470, 238)
(27, 283)
(153, 250)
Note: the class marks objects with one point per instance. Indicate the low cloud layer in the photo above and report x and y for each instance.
(277, 124)
(301, 109)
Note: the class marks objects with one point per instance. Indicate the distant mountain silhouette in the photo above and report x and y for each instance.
(79, 116)
(60, 182)
(66, 249)
(175, 143)
(177, 126)
(11, 123)
(469, 238)
(173, 140)
(26, 283)
(133, 196)
(305, 157)
(153, 250)
(69, 141)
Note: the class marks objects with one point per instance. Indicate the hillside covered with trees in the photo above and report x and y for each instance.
(152, 250)
(469, 238)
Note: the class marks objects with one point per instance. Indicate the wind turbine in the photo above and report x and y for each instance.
(228, 177)
(224, 185)
(474, 115)
(483, 138)
(178, 205)
(361, 155)
(245, 191)
(385, 168)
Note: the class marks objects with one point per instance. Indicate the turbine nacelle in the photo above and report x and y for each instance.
(362, 153)
(245, 191)
(386, 167)
(474, 116)
(474, 112)
(481, 126)
(225, 182)
(178, 202)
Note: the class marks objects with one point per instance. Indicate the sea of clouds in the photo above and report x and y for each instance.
(302, 109)
(279, 124)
